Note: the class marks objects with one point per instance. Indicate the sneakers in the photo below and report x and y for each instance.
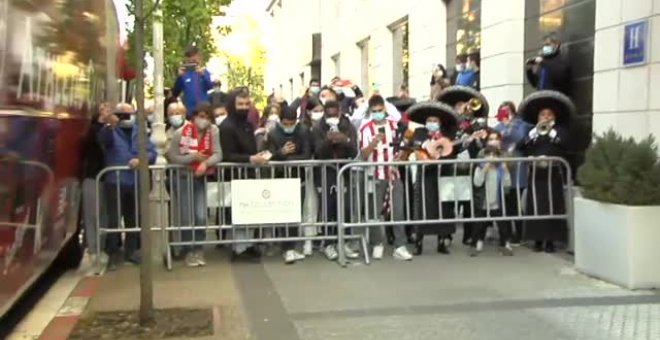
(507, 250)
(191, 260)
(350, 253)
(377, 253)
(480, 246)
(330, 252)
(195, 259)
(289, 257)
(308, 250)
(402, 254)
(199, 256)
(298, 256)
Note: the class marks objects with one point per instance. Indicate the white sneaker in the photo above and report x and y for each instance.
(191, 260)
(199, 256)
(350, 253)
(308, 249)
(331, 252)
(289, 257)
(480, 246)
(377, 253)
(298, 256)
(402, 254)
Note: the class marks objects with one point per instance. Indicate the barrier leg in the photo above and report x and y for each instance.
(365, 249)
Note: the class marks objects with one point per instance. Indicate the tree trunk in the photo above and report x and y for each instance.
(146, 279)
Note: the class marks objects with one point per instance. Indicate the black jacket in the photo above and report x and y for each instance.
(557, 74)
(300, 137)
(325, 149)
(236, 136)
(93, 153)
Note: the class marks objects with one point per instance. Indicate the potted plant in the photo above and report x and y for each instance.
(617, 219)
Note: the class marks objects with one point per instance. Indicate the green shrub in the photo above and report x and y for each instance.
(621, 171)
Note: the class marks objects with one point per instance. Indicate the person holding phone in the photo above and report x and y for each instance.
(193, 81)
(119, 141)
(377, 145)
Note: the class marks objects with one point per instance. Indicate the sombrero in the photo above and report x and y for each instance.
(419, 112)
(402, 104)
(559, 103)
(454, 94)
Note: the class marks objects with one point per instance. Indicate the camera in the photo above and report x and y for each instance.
(479, 124)
(123, 115)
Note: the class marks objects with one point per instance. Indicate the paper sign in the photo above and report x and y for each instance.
(266, 201)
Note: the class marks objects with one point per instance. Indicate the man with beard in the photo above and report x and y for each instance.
(239, 146)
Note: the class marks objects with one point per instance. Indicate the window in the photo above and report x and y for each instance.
(463, 28)
(365, 66)
(573, 21)
(401, 54)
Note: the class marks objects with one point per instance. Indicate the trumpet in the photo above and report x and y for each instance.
(474, 105)
(544, 127)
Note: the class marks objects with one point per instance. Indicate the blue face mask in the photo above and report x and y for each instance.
(548, 49)
(288, 129)
(378, 115)
(176, 121)
(433, 126)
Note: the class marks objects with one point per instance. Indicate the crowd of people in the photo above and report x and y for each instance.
(338, 122)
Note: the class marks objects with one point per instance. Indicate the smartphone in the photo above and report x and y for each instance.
(381, 130)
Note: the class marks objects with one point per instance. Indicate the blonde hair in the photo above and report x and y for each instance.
(176, 108)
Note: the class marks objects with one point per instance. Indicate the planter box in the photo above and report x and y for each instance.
(618, 244)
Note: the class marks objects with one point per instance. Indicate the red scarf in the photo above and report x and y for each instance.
(192, 144)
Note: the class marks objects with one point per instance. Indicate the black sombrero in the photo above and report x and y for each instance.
(559, 103)
(402, 104)
(454, 94)
(419, 112)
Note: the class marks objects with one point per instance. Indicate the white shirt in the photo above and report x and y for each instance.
(384, 152)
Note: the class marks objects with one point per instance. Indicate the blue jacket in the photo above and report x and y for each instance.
(118, 149)
(195, 88)
(512, 136)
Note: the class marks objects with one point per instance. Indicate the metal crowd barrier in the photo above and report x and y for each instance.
(187, 216)
(451, 181)
(23, 189)
(192, 206)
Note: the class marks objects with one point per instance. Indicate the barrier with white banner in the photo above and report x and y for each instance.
(266, 201)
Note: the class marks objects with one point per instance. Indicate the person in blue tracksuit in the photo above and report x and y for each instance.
(119, 141)
(194, 81)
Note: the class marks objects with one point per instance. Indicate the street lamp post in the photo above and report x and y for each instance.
(159, 196)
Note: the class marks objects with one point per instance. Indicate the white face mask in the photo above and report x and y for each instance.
(176, 121)
(220, 119)
(273, 118)
(316, 116)
(202, 123)
(151, 118)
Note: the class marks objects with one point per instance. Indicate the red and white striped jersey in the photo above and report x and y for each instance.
(384, 152)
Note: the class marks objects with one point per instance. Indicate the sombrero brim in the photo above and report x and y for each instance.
(562, 106)
(419, 112)
(454, 94)
(403, 104)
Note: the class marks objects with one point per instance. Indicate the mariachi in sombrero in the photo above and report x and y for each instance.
(420, 112)
(558, 102)
(474, 99)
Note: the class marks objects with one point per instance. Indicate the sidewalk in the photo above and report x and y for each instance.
(210, 287)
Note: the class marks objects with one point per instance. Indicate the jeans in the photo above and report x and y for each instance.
(91, 218)
(191, 199)
(376, 202)
(121, 204)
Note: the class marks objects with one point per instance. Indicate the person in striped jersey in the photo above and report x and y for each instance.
(377, 145)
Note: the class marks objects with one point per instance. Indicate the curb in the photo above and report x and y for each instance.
(61, 326)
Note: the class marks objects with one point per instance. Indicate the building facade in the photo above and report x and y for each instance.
(385, 44)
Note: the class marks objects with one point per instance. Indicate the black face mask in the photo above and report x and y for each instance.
(242, 114)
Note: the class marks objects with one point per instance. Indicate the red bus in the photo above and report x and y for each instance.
(53, 75)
